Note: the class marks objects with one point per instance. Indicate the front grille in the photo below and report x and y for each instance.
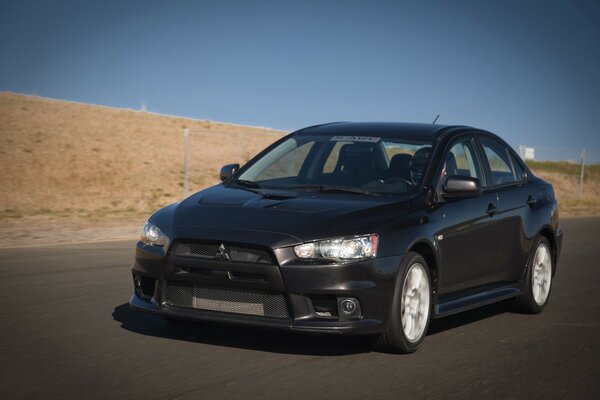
(227, 300)
(221, 251)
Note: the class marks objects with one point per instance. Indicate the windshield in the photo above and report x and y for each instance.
(368, 165)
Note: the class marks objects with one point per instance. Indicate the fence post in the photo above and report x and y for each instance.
(239, 140)
(581, 175)
(186, 157)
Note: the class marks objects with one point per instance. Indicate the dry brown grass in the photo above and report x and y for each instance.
(570, 200)
(64, 159)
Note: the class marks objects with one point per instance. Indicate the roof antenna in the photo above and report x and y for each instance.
(436, 118)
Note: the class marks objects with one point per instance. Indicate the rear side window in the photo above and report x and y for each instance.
(499, 162)
(519, 173)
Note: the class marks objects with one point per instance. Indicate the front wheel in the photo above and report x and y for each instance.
(411, 308)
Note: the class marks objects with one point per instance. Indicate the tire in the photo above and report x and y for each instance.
(411, 308)
(538, 283)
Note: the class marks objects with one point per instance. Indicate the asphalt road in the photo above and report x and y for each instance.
(66, 332)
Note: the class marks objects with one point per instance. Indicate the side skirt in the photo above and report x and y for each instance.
(477, 299)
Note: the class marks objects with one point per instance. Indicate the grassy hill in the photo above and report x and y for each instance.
(68, 159)
(64, 160)
(565, 177)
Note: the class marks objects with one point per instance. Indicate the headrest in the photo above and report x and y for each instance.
(352, 155)
(419, 159)
(400, 165)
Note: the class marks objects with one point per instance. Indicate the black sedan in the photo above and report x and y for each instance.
(356, 228)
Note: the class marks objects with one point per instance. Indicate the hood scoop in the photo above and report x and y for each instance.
(277, 200)
(245, 198)
(279, 195)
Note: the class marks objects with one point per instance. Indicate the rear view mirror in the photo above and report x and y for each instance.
(228, 170)
(460, 187)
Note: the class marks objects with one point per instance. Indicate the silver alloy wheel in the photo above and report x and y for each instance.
(414, 310)
(541, 277)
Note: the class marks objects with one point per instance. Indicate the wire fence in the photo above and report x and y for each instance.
(567, 161)
(567, 154)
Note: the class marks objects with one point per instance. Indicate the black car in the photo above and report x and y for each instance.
(356, 228)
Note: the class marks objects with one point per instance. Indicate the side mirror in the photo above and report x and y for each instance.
(461, 187)
(228, 170)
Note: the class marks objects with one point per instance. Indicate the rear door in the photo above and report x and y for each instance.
(516, 219)
(468, 240)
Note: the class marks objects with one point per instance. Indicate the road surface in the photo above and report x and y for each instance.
(66, 332)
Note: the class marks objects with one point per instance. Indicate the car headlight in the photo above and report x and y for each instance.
(153, 236)
(343, 248)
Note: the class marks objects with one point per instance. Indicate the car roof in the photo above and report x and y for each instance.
(407, 130)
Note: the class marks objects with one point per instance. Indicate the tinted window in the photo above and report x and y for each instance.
(333, 157)
(288, 164)
(372, 164)
(499, 162)
(461, 160)
(519, 173)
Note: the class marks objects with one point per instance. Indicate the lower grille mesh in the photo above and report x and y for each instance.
(324, 306)
(228, 300)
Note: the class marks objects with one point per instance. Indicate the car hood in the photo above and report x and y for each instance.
(275, 219)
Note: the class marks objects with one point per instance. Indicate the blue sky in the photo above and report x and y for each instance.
(527, 70)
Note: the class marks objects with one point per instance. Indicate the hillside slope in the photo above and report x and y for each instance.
(565, 177)
(69, 159)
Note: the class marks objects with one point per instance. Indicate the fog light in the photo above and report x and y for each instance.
(348, 306)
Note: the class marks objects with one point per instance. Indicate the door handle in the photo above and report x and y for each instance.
(531, 201)
(492, 209)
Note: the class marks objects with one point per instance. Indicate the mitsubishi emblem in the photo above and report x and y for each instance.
(223, 254)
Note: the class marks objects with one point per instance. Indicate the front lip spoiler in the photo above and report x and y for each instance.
(360, 327)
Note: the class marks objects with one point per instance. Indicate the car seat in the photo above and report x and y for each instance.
(355, 165)
(400, 166)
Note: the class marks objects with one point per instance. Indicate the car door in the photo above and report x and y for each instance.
(468, 239)
(516, 219)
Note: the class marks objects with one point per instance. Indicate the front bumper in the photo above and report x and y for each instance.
(371, 282)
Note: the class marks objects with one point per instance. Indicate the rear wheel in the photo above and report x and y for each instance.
(539, 280)
(411, 308)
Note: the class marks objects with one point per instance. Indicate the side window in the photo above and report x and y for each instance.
(461, 159)
(499, 162)
(519, 173)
